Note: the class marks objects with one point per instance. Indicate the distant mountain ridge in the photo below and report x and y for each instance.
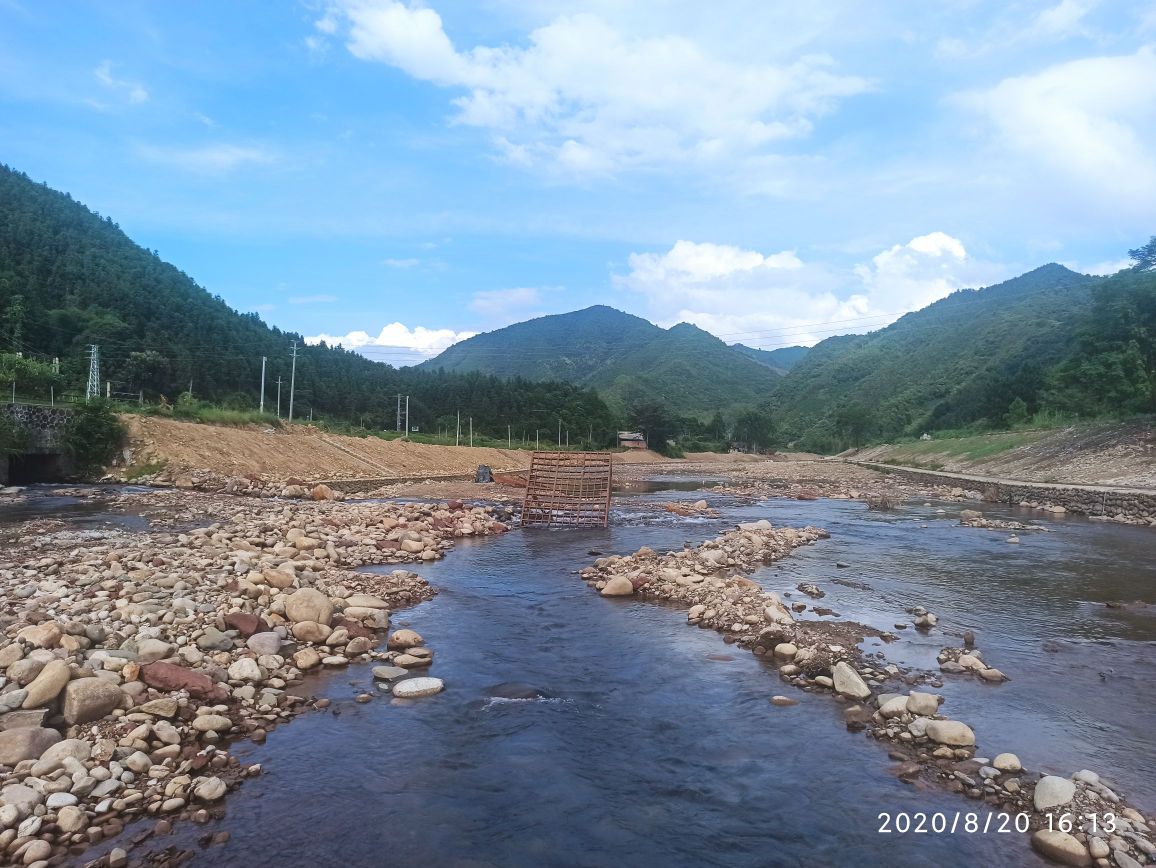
(781, 359)
(625, 358)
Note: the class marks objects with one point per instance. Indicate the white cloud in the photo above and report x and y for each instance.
(1086, 124)
(1110, 266)
(498, 302)
(1066, 18)
(778, 299)
(209, 159)
(132, 91)
(586, 98)
(313, 299)
(396, 343)
(401, 263)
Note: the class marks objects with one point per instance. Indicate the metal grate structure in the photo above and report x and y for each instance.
(568, 488)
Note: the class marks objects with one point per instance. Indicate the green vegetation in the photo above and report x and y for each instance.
(139, 471)
(626, 359)
(70, 278)
(13, 438)
(782, 359)
(93, 436)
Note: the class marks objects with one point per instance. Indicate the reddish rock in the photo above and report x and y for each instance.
(498, 527)
(170, 677)
(639, 581)
(246, 623)
(355, 629)
(455, 506)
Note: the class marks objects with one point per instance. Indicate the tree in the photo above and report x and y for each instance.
(656, 422)
(1144, 258)
(1017, 412)
(854, 422)
(756, 428)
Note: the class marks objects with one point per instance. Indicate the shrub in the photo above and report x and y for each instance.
(92, 437)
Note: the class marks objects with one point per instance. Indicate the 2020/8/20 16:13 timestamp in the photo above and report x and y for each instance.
(974, 823)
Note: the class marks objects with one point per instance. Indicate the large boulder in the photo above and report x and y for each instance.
(1061, 847)
(170, 677)
(46, 686)
(247, 623)
(27, 742)
(922, 704)
(848, 682)
(89, 699)
(1052, 791)
(403, 639)
(308, 604)
(46, 635)
(950, 732)
(619, 586)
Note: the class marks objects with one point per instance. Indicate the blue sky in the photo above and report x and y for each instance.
(772, 172)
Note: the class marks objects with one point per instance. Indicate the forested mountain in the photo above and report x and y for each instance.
(625, 358)
(70, 278)
(962, 359)
(781, 359)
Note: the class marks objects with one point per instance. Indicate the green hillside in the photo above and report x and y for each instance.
(625, 358)
(781, 360)
(70, 278)
(572, 346)
(959, 360)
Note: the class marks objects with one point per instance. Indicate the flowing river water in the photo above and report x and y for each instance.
(648, 742)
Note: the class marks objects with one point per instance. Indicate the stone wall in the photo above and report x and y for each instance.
(1113, 504)
(45, 428)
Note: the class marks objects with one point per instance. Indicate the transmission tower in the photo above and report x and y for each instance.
(92, 390)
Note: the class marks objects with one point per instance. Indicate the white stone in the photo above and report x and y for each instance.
(416, 687)
(1053, 791)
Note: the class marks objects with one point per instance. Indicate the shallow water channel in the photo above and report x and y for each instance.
(655, 743)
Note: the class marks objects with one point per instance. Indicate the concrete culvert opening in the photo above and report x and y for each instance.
(36, 467)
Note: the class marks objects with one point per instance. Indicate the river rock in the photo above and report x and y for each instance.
(36, 851)
(89, 699)
(245, 669)
(400, 640)
(619, 586)
(786, 650)
(894, 707)
(388, 673)
(950, 732)
(148, 650)
(45, 635)
(165, 706)
(308, 604)
(27, 742)
(365, 601)
(1061, 847)
(212, 723)
(71, 819)
(848, 682)
(10, 653)
(46, 686)
(311, 631)
(246, 623)
(213, 639)
(922, 704)
(413, 688)
(209, 789)
(1052, 791)
(71, 748)
(1007, 762)
(170, 677)
(307, 658)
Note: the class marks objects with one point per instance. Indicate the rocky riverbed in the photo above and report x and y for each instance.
(1066, 815)
(130, 660)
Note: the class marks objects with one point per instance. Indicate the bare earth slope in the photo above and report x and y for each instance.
(309, 453)
(1116, 455)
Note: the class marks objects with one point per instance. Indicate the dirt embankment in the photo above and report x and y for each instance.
(1115, 455)
(308, 453)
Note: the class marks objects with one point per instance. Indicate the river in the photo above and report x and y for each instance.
(655, 744)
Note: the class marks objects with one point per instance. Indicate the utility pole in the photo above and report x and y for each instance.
(536, 439)
(458, 435)
(292, 380)
(559, 440)
(92, 390)
(471, 431)
(262, 408)
(278, 396)
(509, 438)
(398, 411)
(407, 417)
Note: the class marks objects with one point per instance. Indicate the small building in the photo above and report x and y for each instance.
(631, 440)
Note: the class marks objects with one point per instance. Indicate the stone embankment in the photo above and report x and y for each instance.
(1098, 502)
(822, 657)
(130, 660)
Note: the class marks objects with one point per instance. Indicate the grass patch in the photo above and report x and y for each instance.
(139, 471)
